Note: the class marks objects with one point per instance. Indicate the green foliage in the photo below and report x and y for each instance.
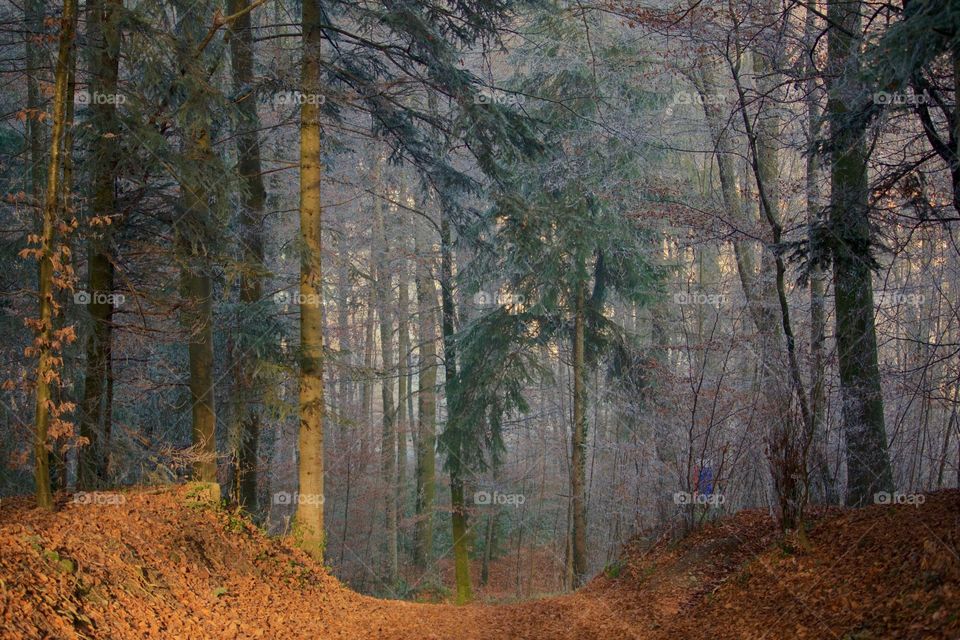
(613, 569)
(561, 223)
(496, 364)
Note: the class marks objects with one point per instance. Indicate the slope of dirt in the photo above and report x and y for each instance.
(161, 566)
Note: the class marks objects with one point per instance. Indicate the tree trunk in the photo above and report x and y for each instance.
(197, 313)
(765, 290)
(458, 508)
(789, 441)
(46, 363)
(61, 443)
(196, 291)
(366, 386)
(818, 323)
(579, 446)
(310, 504)
(488, 540)
(403, 391)
(388, 450)
(96, 408)
(345, 384)
(868, 461)
(426, 398)
(251, 236)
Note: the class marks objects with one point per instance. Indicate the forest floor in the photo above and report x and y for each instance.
(161, 565)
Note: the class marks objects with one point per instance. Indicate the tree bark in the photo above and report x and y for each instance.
(196, 291)
(868, 461)
(817, 277)
(96, 408)
(251, 237)
(426, 398)
(458, 508)
(403, 391)
(46, 361)
(345, 384)
(579, 446)
(310, 507)
(388, 449)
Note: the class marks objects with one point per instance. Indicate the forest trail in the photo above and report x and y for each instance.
(157, 566)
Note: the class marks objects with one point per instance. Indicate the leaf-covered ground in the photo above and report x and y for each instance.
(161, 566)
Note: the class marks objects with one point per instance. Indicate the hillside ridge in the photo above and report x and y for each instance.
(160, 564)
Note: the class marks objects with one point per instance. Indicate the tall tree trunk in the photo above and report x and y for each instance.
(426, 398)
(765, 290)
(310, 506)
(196, 290)
(818, 322)
(366, 386)
(488, 541)
(458, 508)
(96, 408)
(868, 461)
(251, 236)
(388, 450)
(194, 244)
(61, 444)
(403, 391)
(345, 384)
(579, 446)
(789, 440)
(46, 364)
